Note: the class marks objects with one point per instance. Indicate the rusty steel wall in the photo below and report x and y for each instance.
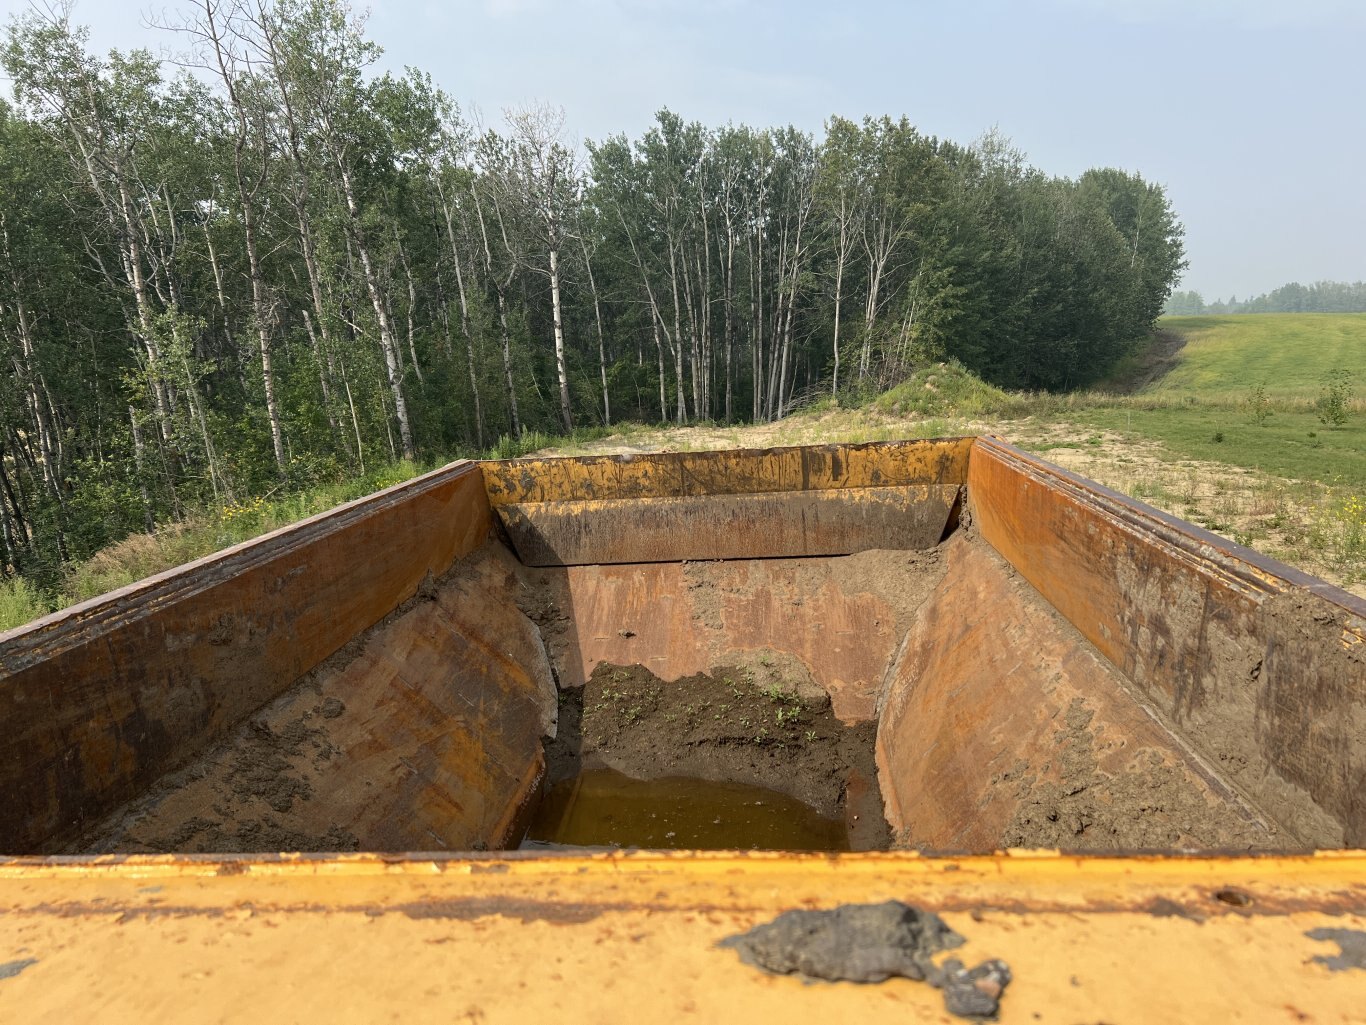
(802, 616)
(1001, 727)
(763, 526)
(102, 699)
(427, 738)
(764, 503)
(1261, 669)
(733, 472)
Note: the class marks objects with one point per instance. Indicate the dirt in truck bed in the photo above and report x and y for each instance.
(745, 725)
(1151, 806)
(245, 796)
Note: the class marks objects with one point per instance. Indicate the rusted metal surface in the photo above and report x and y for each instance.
(834, 621)
(998, 714)
(100, 700)
(728, 526)
(769, 503)
(737, 472)
(631, 938)
(1261, 668)
(428, 739)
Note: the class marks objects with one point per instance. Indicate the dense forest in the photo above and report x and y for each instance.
(264, 265)
(1320, 297)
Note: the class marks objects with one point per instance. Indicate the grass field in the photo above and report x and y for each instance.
(1234, 436)
(1287, 353)
(1291, 443)
(1245, 390)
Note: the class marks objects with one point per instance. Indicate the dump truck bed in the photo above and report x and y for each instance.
(1043, 663)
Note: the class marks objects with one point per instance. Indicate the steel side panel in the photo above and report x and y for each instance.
(972, 730)
(1261, 667)
(430, 738)
(100, 700)
(679, 620)
(633, 938)
(742, 471)
(750, 526)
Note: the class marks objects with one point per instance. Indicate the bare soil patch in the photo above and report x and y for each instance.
(1149, 806)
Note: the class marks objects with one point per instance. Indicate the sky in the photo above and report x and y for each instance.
(1252, 113)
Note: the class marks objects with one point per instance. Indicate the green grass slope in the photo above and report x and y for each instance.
(1244, 390)
(1288, 353)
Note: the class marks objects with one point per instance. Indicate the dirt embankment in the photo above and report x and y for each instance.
(727, 725)
(1157, 359)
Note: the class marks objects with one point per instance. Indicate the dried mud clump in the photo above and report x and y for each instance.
(871, 943)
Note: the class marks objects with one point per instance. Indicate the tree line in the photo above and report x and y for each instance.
(1320, 297)
(271, 266)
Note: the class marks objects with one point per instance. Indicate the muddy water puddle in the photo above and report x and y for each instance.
(601, 807)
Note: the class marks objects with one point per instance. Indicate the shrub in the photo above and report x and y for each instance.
(1259, 404)
(20, 603)
(1337, 393)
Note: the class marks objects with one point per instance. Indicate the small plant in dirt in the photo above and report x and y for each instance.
(1333, 404)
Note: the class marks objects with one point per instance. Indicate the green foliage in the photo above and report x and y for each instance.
(1320, 297)
(940, 389)
(1259, 405)
(20, 603)
(1333, 404)
(324, 270)
(1184, 304)
(508, 447)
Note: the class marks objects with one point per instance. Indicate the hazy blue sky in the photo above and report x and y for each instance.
(1251, 112)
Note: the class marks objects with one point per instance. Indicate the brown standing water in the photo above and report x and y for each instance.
(604, 808)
